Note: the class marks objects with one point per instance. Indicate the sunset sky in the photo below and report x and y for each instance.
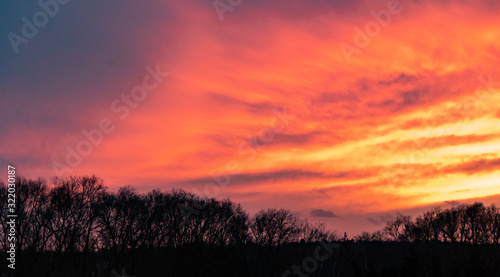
(328, 108)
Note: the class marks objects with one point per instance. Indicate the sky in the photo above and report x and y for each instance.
(344, 111)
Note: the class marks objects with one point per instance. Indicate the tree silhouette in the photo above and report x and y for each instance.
(473, 224)
(74, 226)
(398, 229)
(311, 233)
(273, 227)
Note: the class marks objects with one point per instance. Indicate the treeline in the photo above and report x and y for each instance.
(62, 227)
(471, 224)
(75, 226)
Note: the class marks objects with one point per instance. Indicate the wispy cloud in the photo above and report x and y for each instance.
(321, 213)
(406, 124)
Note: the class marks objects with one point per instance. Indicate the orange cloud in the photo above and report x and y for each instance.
(410, 121)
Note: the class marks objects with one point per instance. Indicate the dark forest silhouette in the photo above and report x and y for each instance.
(76, 227)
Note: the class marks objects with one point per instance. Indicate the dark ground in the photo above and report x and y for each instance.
(307, 259)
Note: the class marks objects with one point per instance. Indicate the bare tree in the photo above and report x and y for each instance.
(74, 206)
(398, 228)
(318, 232)
(451, 222)
(120, 227)
(274, 227)
(366, 236)
(429, 225)
(494, 224)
